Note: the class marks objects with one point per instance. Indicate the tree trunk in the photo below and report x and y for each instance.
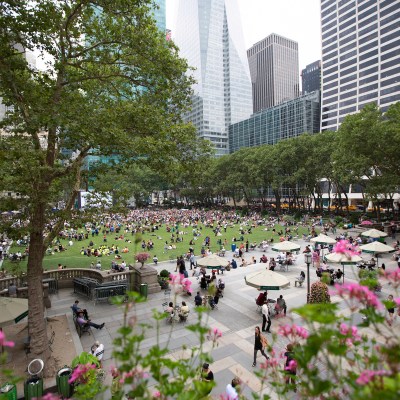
(36, 323)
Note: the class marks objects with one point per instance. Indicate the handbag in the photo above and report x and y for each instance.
(264, 341)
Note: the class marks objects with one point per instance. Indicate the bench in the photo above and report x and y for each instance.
(79, 328)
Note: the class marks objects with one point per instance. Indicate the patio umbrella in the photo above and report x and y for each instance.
(12, 310)
(323, 239)
(266, 280)
(344, 259)
(286, 246)
(366, 222)
(374, 233)
(213, 262)
(377, 248)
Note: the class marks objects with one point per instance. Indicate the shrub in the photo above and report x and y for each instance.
(319, 293)
(164, 273)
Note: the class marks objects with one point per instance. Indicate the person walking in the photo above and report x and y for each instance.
(390, 309)
(266, 317)
(260, 342)
(232, 389)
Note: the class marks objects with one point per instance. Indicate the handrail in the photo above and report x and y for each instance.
(66, 276)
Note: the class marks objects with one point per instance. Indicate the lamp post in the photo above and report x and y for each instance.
(307, 258)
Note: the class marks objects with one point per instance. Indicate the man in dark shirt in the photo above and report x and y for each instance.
(198, 300)
(233, 264)
(76, 309)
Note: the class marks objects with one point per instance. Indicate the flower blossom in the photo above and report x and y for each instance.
(135, 373)
(368, 375)
(4, 342)
(293, 331)
(50, 396)
(79, 373)
(214, 334)
(292, 366)
(359, 292)
(351, 332)
(345, 247)
(393, 277)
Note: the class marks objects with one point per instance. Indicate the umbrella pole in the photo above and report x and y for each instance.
(343, 273)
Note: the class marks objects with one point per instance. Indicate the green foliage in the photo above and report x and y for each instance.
(164, 273)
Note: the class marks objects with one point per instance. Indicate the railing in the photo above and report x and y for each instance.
(65, 277)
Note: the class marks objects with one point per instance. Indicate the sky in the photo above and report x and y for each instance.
(298, 20)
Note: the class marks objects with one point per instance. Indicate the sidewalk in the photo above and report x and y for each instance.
(236, 318)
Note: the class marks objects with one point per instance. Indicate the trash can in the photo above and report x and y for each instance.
(64, 388)
(33, 388)
(233, 247)
(143, 290)
(9, 391)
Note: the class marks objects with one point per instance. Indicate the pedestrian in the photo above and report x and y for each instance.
(290, 366)
(155, 259)
(390, 309)
(192, 260)
(12, 290)
(207, 375)
(232, 389)
(260, 342)
(266, 317)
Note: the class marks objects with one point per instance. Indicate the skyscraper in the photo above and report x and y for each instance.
(360, 57)
(311, 77)
(209, 35)
(274, 69)
(160, 15)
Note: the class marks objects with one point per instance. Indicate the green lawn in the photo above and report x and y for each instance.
(72, 258)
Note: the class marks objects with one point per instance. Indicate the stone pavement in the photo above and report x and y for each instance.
(236, 317)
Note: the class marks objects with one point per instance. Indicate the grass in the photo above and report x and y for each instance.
(71, 257)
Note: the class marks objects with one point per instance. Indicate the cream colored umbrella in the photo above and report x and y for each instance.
(344, 259)
(213, 261)
(374, 233)
(377, 247)
(323, 239)
(12, 310)
(266, 279)
(286, 246)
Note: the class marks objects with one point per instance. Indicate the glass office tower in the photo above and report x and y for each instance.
(271, 125)
(160, 15)
(360, 57)
(209, 35)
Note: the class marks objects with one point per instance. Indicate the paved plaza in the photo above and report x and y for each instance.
(236, 317)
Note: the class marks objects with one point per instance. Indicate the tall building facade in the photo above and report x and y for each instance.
(284, 121)
(209, 35)
(160, 15)
(360, 57)
(274, 70)
(311, 77)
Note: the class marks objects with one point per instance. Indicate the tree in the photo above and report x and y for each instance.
(114, 87)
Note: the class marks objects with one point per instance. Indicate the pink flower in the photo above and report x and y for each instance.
(397, 301)
(293, 331)
(368, 375)
(214, 334)
(273, 362)
(358, 292)
(345, 247)
(50, 396)
(79, 373)
(4, 342)
(156, 394)
(292, 366)
(142, 257)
